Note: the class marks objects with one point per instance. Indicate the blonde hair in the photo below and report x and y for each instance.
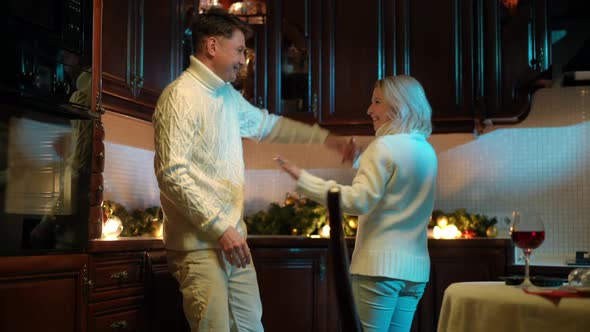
(411, 112)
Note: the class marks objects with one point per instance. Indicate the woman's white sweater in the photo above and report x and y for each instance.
(393, 195)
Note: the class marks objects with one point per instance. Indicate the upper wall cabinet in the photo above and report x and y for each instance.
(141, 53)
(355, 54)
(293, 58)
(434, 43)
(516, 57)
(477, 60)
(323, 58)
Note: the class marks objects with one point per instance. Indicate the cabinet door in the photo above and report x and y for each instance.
(126, 314)
(292, 288)
(435, 46)
(141, 53)
(119, 51)
(164, 299)
(294, 58)
(252, 80)
(516, 54)
(160, 58)
(43, 293)
(458, 261)
(116, 275)
(353, 59)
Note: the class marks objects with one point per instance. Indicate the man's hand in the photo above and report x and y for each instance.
(345, 145)
(292, 170)
(235, 248)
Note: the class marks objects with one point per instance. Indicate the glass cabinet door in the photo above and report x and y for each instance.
(295, 58)
(293, 38)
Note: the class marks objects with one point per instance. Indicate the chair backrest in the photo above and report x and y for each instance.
(338, 254)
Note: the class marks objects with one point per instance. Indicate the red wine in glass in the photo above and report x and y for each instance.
(527, 233)
(528, 239)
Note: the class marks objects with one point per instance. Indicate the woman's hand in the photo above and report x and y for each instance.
(292, 170)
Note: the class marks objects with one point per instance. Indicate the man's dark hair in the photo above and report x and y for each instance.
(217, 22)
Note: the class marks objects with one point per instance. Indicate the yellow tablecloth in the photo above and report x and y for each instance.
(495, 307)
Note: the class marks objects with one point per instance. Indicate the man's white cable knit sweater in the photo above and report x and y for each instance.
(199, 122)
(393, 195)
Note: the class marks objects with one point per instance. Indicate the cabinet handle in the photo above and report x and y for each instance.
(123, 275)
(541, 59)
(87, 284)
(314, 105)
(537, 63)
(260, 102)
(122, 324)
(322, 268)
(139, 82)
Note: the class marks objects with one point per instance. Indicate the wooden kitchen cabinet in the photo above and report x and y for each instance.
(43, 293)
(141, 53)
(293, 288)
(294, 277)
(163, 297)
(348, 46)
(320, 66)
(293, 58)
(355, 54)
(116, 296)
(459, 260)
(435, 45)
(516, 55)
(125, 284)
(292, 282)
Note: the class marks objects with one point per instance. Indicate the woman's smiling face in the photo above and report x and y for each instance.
(379, 110)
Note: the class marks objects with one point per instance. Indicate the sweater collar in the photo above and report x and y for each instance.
(391, 128)
(388, 128)
(204, 74)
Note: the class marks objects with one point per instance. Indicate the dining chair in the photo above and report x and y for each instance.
(338, 254)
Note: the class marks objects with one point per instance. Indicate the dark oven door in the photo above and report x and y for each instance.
(45, 166)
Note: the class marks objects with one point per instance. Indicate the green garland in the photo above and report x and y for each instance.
(140, 222)
(470, 225)
(295, 217)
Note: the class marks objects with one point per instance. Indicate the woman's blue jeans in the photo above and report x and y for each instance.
(386, 304)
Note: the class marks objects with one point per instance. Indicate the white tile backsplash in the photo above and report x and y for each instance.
(542, 163)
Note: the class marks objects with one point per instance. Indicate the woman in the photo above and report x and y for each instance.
(393, 195)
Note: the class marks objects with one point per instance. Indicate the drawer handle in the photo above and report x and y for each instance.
(123, 275)
(122, 324)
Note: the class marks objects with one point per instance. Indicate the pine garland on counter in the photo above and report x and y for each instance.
(296, 216)
(470, 225)
(140, 222)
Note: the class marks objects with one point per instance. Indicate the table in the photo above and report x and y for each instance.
(494, 306)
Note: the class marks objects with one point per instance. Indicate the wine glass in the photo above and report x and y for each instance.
(527, 233)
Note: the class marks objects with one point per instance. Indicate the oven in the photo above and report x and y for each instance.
(46, 126)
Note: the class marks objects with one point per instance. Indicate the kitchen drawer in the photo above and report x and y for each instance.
(117, 315)
(116, 275)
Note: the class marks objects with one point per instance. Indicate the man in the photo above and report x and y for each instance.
(199, 122)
